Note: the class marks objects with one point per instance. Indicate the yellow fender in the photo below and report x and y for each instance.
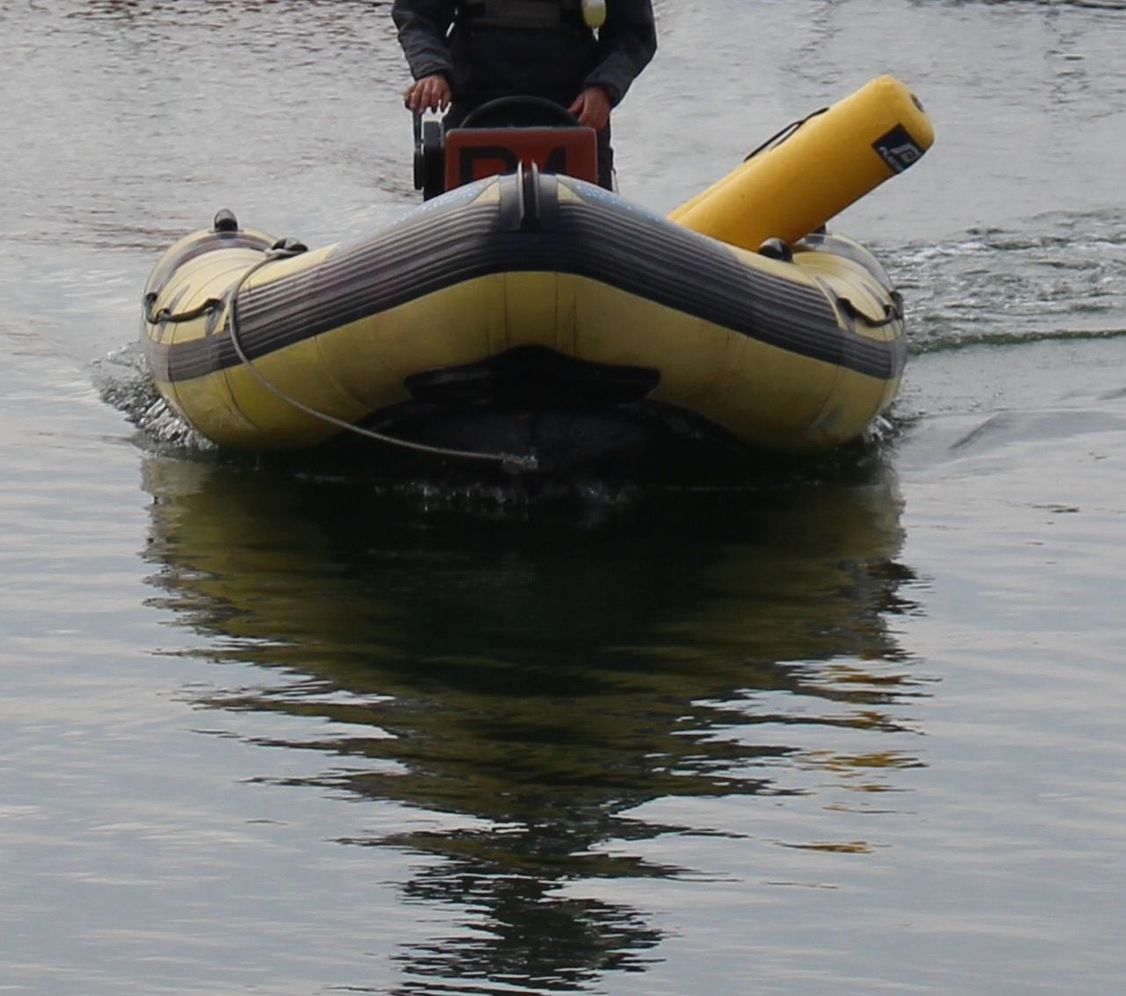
(831, 160)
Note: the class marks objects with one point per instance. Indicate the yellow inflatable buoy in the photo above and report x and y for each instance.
(829, 161)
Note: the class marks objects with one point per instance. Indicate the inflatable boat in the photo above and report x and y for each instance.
(524, 315)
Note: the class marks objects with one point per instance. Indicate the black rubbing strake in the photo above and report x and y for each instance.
(605, 241)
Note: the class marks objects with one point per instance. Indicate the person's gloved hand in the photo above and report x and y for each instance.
(431, 93)
(592, 107)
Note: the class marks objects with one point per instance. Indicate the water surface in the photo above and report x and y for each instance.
(853, 725)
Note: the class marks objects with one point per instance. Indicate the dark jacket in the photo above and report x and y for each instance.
(483, 62)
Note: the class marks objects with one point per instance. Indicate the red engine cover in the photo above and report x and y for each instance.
(473, 153)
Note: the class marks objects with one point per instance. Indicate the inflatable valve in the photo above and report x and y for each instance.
(819, 168)
(594, 13)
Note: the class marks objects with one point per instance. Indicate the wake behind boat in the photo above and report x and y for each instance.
(529, 316)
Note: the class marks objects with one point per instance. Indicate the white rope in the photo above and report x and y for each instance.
(509, 461)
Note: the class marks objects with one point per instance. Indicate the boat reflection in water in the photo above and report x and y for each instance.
(528, 676)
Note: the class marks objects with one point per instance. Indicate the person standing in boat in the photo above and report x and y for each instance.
(464, 53)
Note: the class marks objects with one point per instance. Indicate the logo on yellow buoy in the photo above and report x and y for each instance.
(898, 149)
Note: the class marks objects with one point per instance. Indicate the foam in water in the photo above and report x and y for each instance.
(123, 380)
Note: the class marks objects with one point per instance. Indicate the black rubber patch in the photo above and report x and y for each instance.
(898, 149)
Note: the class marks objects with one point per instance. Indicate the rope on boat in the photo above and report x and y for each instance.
(510, 462)
(165, 315)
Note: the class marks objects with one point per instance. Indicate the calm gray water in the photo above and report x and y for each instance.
(858, 726)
